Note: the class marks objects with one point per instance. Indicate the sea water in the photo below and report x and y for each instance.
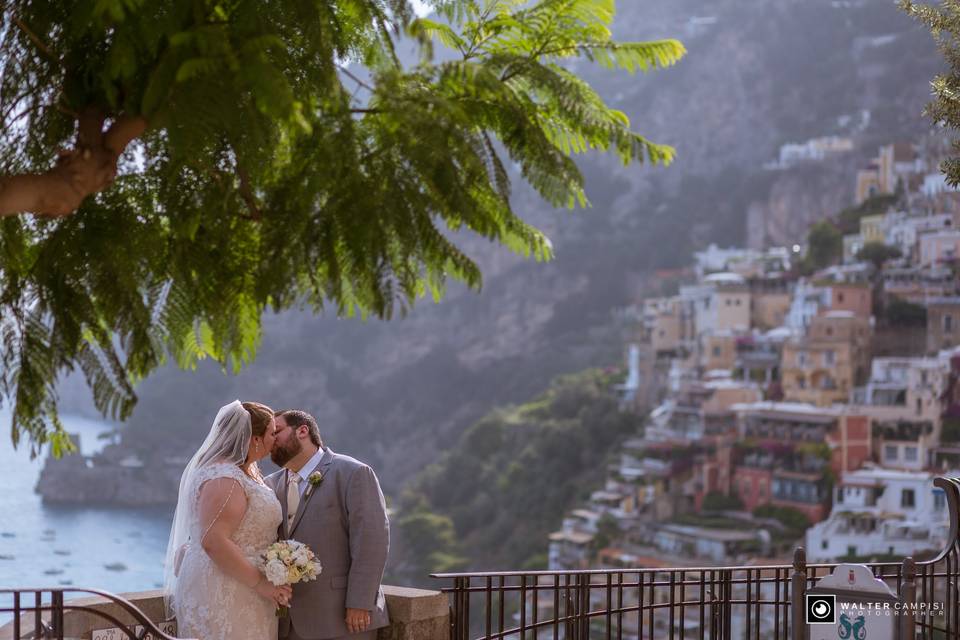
(118, 549)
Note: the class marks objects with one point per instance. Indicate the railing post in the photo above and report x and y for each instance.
(455, 617)
(798, 592)
(584, 608)
(908, 598)
(728, 623)
(56, 614)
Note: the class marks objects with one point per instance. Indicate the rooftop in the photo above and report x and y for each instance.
(716, 535)
(725, 278)
(880, 473)
(796, 408)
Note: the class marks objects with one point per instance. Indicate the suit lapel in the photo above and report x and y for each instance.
(325, 462)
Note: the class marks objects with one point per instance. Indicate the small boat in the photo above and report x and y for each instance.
(53, 572)
(115, 566)
(61, 552)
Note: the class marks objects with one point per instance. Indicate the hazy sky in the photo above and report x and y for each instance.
(420, 7)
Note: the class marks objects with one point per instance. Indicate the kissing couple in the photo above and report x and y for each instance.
(228, 514)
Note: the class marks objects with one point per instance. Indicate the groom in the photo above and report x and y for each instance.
(333, 504)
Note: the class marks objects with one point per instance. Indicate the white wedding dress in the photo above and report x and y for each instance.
(209, 604)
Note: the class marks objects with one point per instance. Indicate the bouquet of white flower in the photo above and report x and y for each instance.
(289, 562)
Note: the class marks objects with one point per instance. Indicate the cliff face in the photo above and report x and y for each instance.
(797, 198)
(105, 479)
(759, 74)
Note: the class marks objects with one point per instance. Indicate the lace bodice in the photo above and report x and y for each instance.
(210, 604)
(258, 528)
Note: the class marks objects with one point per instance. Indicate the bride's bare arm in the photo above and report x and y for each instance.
(222, 505)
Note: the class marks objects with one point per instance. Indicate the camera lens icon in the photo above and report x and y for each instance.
(821, 609)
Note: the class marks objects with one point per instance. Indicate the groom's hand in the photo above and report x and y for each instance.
(357, 620)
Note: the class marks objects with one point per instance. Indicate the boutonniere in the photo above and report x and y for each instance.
(314, 479)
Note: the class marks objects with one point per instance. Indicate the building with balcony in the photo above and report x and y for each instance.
(942, 247)
(769, 309)
(881, 512)
(718, 351)
(904, 390)
(904, 444)
(720, 303)
(824, 366)
(781, 476)
(717, 545)
(854, 297)
(748, 263)
(943, 323)
(845, 433)
(569, 550)
(668, 326)
(872, 228)
(759, 354)
(699, 411)
(919, 284)
(812, 299)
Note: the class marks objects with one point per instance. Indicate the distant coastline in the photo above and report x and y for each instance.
(114, 476)
(49, 544)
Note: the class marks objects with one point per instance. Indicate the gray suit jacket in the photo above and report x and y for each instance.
(344, 521)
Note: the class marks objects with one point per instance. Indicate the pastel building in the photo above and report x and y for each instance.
(780, 469)
(940, 247)
(825, 365)
(872, 228)
(943, 323)
(881, 512)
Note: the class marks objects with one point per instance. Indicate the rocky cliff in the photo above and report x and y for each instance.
(114, 476)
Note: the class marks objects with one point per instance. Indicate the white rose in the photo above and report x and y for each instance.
(276, 574)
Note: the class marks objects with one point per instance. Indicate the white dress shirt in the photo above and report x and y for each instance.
(306, 470)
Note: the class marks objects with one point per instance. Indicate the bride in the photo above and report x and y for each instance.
(226, 516)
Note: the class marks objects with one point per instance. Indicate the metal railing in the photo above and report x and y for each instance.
(35, 616)
(750, 602)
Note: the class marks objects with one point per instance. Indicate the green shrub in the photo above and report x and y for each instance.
(716, 501)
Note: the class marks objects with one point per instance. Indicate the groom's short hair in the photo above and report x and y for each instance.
(296, 418)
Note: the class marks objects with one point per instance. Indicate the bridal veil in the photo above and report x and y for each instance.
(228, 441)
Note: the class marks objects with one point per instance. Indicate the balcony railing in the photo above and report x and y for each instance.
(39, 613)
(750, 602)
(415, 614)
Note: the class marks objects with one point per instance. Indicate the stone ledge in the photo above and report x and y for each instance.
(415, 614)
(407, 604)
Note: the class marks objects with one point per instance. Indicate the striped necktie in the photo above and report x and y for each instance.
(293, 497)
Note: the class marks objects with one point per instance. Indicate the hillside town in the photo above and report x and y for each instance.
(801, 396)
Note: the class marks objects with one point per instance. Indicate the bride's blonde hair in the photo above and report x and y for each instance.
(260, 417)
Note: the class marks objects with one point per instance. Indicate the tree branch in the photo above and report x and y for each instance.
(353, 77)
(246, 192)
(34, 39)
(80, 172)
